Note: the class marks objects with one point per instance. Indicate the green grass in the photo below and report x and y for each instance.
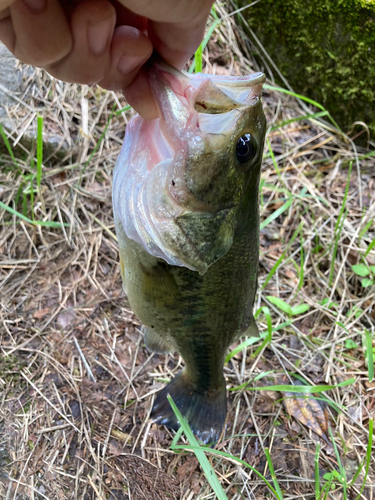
(340, 476)
(370, 247)
(39, 153)
(321, 488)
(201, 451)
(27, 189)
(198, 59)
(338, 227)
(30, 221)
(286, 308)
(369, 353)
(282, 256)
(8, 146)
(366, 272)
(309, 116)
(300, 389)
(367, 459)
(276, 213)
(305, 99)
(197, 63)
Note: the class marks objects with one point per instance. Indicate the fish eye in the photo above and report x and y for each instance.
(245, 148)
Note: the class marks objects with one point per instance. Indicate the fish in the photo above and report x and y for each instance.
(185, 202)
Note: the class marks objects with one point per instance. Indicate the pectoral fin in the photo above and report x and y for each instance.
(158, 285)
(155, 342)
(210, 234)
(252, 329)
(122, 272)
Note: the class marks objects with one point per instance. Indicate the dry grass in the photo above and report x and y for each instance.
(76, 382)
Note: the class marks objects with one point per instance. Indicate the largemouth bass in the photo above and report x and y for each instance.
(185, 200)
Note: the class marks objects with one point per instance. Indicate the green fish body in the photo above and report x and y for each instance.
(185, 197)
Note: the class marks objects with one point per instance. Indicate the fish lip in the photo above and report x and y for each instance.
(229, 81)
(157, 61)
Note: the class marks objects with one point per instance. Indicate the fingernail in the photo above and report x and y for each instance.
(128, 63)
(98, 35)
(36, 5)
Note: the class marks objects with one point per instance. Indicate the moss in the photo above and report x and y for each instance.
(326, 50)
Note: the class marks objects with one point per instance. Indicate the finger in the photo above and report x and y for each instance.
(42, 31)
(176, 27)
(125, 17)
(92, 25)
(140, 97)
(130, 49)
(4, 4)
(7, 34)
(170, 11)
(177, 41)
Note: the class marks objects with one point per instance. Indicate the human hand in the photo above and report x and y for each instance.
(104, 41)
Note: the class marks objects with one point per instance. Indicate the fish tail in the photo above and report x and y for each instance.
(205, 410)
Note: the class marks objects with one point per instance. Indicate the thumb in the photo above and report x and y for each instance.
(4, 4)
(177, 41)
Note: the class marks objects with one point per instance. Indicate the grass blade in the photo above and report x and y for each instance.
(199, 453)
(39, 152)
(280, 259)
(246, 343)
(268, 338)
(304, 389)
(276, 213)
(299, 118)
(342, 469)
(370, 247)
(205, 41)
(198, 59)
(365, 229)
(274, 160)
(281, 304)
(339, 225)
(120, 111)
(7, 145)
(272, 471)
(369, 355)
(46, 223)
(303, 98)
(368, 456)
(231, 457)
(301, 273)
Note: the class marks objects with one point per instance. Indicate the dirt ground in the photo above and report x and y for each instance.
(76, 381)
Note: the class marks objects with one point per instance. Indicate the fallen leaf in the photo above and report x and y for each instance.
(308, 411)
(114, 448)
(127, 438)
(41, 313)
(187, 468)
(65, 318)
(195, 483)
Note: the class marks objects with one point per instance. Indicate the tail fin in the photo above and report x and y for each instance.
(204, 410)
